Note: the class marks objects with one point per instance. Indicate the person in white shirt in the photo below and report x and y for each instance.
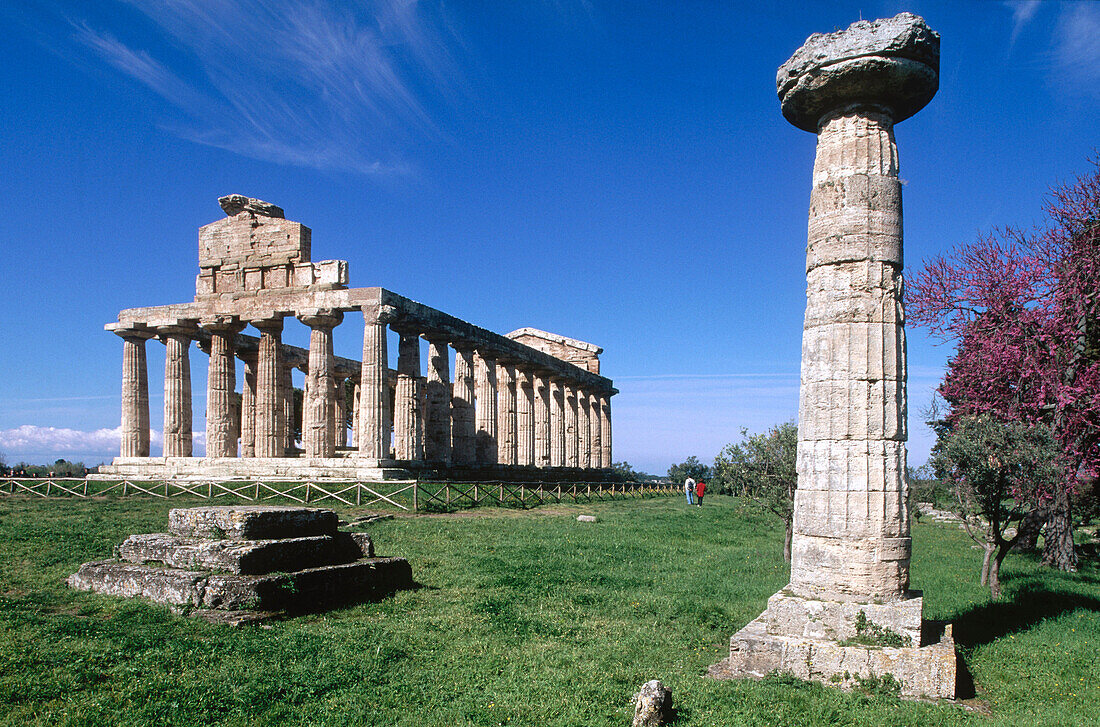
(689, 490)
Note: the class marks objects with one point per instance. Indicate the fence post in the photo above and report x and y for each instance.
(416, 500)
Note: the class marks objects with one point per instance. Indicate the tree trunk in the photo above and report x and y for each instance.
(986, 557)
(787, 541)
(1058, 549)
(995, 570)
(1027, 538)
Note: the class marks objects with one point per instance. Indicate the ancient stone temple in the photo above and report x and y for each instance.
(528, 403)
(848, 613)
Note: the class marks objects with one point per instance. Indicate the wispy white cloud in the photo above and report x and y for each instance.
(1022, 13)
(299, 82)
(30, 441)
(1077, 47)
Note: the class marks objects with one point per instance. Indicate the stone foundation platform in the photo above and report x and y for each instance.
(833, 643)
(253, 468)
(249, 562)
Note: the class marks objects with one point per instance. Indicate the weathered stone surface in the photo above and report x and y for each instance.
(234, 204)
(251, 522)
(893, 62)
(246, 557)
(792, 615)
(173, 586)
(586, 518)
(653, 705)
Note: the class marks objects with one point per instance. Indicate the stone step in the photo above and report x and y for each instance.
(246, 557)
(306, 590)
(251, 522)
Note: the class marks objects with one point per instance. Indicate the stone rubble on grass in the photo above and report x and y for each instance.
(652, 705)
(586, 518)
(235, 564)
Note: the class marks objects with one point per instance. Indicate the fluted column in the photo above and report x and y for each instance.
(372, 430)
(525, 419)
(269, 421)
(463, 439)
(540, 396)
(571, 458)
(340, 411)
(584, 431)
(286, 398)
(605, 431)
(221, 440)
(557, 423)
(178, 438)
(595, 432)
(135, 393)
(318, 435)
(248, 407)
(506, 414)
(485, 406)
(437, 395)
(408, 412)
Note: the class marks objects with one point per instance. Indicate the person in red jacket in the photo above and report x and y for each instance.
(700, 488)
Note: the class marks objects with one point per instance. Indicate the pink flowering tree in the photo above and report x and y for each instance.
(1024, 311)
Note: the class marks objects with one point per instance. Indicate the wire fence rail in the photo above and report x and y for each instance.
(407, 495)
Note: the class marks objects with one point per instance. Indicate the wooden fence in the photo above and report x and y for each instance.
(414, 496)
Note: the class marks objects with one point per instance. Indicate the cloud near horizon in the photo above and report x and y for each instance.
(30, 441)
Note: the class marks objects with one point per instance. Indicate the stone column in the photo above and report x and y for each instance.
(540, 394)
(605, 431)
(485, 405)
(506, 414)
(248, 406)
(584, 431)
(851, 547)
(340, 411)
(177, 390)
(221, 440)
(318, 435)
(437, 396)
(372, 430)
(595, 432)
(355, 411)
(557, 423)
(463, 439)
(135, 392)
(269, 415)
(286, 399)
(408, 427)
(571, 458)
(525, 419)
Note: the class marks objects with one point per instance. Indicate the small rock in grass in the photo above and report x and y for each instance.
(586, 518)
(652, 705)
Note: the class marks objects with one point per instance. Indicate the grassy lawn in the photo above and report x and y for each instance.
(521, 618)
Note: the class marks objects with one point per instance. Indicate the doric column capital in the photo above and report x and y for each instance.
(384, 314)
(270, 324)
(225, 324)
(131, 331)
(321, 318)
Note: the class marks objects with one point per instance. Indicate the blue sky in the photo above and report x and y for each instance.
(617, 172)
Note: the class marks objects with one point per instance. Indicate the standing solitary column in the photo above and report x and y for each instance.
(135, 392)
(221, 440)
(437, 397)
(318, 435)
(506, 414)
(605, 430)
(485, 406)
(584, 431)
(177, 390)
(463, 449)
(557, 423)
(372, 426)
(571, 458)
(541, 394)
(269, 414)
(525, 420)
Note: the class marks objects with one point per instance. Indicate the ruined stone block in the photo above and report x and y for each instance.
(251, 522)
(247, 557)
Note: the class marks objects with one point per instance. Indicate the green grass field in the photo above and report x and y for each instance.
(520, 618)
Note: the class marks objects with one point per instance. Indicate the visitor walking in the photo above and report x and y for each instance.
(700, 488)
(689, 490)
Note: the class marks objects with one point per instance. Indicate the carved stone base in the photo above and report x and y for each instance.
(830, 642)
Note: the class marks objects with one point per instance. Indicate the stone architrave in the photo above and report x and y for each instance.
(540, 391)
(463, 437)
(525, 419)
(135, 392)
(372, 430)
(506, 414)
(557, 423)
(248, 407)
(485, 406)
(178, 438)
(851, 545)
(437, 396)
(318, 434)
(595, 432)
(221, 434)
(571, 428)
(269, 415)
